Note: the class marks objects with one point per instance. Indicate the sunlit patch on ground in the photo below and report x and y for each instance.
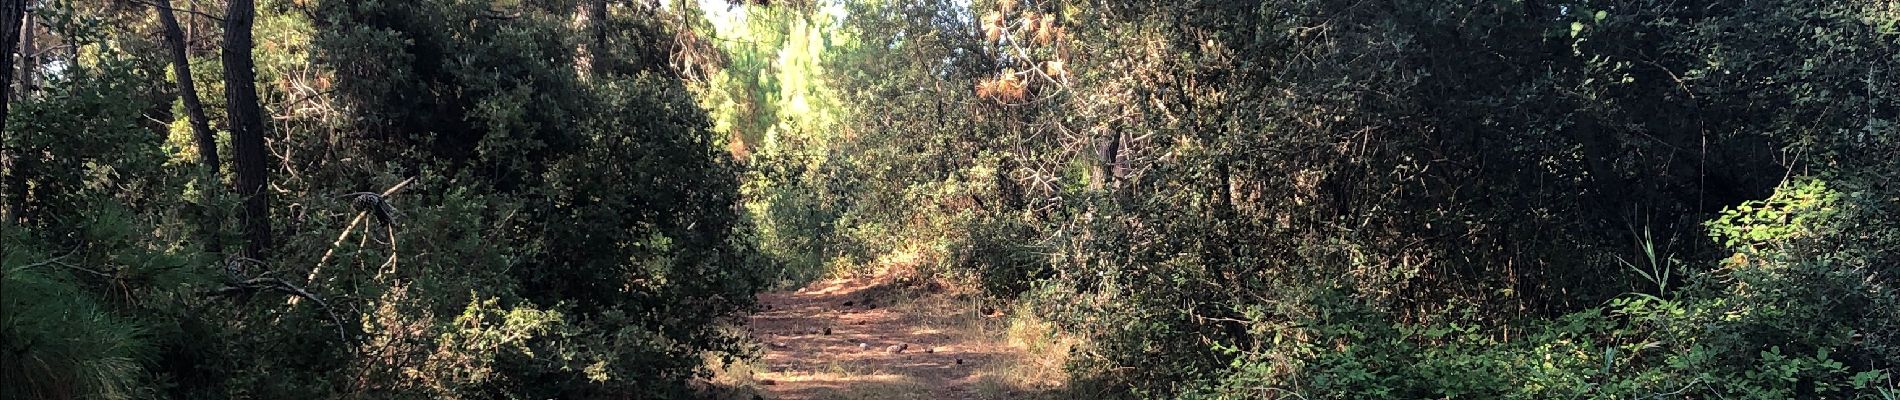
(863, 338)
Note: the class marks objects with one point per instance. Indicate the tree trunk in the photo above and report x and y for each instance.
(191, 22)
(188, 88)
(588, 17)
(200, 126)
(597, 25)
(28, 56)
(1106, 155)
(12, 16)
(247, 127)
(1224, 193)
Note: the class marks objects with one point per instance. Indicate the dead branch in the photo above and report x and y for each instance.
(346, 232)
(174, 9)
(274, 284)
(60, 261)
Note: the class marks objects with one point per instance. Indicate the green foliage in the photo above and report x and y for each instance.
(775, 105)
(1004, 256)
(1417, 200)
(89, 144)
(565, 224)
(1796, 211)
(1228, 199)
(1769, 324)
(60, 343)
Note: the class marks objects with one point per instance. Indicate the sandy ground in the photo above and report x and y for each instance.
(840, 339)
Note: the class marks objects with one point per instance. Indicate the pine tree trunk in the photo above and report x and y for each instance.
(28, 56)
(597, 26)
(1106, 155)
(200, 126)
(12, 15)
(247, 127)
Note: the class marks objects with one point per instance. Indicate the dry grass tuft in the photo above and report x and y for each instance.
(737, 380)
(1035, 350)
(1041, 352)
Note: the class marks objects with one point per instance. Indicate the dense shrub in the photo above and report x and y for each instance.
(553, 217)
(1413, 200)
(1227, 199)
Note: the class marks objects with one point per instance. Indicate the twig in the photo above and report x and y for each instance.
(1684, 388)
(175, 9)
(53, 260)
(62, 264)
(279, 285)
(1287, 392)
(389, 266)
(60, 261)
(82, 269)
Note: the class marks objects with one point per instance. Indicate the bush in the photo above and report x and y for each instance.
(554, 233)
(1723, 336)
(1004, 254)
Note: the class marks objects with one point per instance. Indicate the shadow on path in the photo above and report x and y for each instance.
(840, 339)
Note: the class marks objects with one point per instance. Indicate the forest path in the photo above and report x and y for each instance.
(865, 338)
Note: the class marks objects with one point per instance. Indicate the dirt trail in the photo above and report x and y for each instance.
(842, 339)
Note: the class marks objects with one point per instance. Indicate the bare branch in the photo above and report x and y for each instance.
(175, 9)
(60, 261)
(346, 233)
(255, 284)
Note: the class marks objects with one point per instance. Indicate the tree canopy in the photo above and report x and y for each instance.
(1221, 199)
